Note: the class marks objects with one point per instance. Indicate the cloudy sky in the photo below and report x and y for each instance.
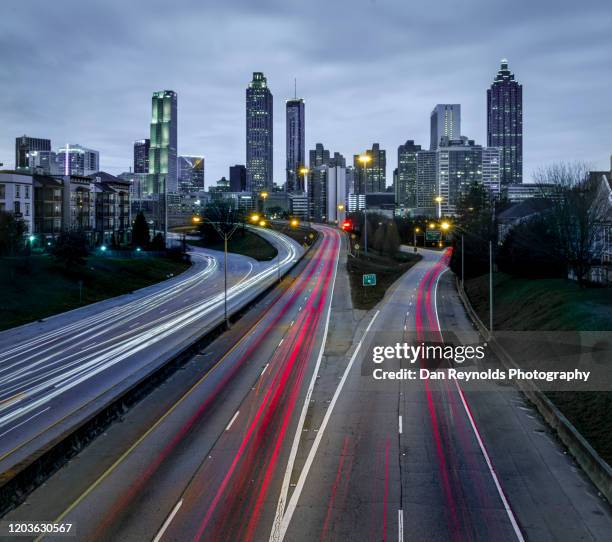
(369, 70)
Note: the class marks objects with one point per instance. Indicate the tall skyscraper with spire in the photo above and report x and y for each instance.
(259, 134)
(296, 153)
(505, 123)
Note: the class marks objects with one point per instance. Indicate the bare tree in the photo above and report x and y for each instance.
(575, 214)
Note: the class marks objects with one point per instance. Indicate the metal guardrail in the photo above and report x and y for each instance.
(599, 472)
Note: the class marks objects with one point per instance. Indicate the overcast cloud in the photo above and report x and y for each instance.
(369, 70)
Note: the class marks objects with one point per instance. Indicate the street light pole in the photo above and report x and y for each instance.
(364, 159)
(462, 264)
(225, 282)
(490, 289)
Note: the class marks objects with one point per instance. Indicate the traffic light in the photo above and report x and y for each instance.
(347, 225)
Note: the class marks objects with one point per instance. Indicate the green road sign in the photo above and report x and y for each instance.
(432, 235)
(369, 280)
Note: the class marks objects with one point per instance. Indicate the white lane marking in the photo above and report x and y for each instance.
(25, 421)
(400, 426)
(280, 509)
(168, 520)
(279, 534)
(400, 526)
(436, 299)
(281, 341)
(500, 491)
(292, 322)
(264, 369)
(232, 420)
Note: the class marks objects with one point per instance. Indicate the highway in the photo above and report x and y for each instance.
(53, 372)
(219, 451)
(288, 437)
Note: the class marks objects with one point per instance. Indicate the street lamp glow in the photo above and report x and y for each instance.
(365, 158)
(417, 230)
(264, 195)
(262, 223)
(294, 222)
(32, 238)
(445, 225)
(438, 199)
(340, 207)
(103, 248)
(138, 249)
(255, 218)
(196, 219)
(304, 171)
(431, 225)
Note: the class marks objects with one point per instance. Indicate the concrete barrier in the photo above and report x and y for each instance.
(589, 460)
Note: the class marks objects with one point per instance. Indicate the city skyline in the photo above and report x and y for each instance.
(345, 110)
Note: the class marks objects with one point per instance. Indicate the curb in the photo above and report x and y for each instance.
(598, 471)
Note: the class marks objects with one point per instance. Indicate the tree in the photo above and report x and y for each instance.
(378, 239)
(391, 242)
(531, 249)
(140, 231)
(71, 248)
(158, 243)
(575, 214)
(12, 231)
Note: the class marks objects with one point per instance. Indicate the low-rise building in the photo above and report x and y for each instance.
(112, 208)
(16, 196)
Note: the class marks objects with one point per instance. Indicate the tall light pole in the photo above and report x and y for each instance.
(304, 172)
(490, 289)
(415, 231)
(364, 159)
(263, 196)
(438, 199)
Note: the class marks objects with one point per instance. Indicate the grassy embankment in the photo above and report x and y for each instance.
(388, 270)
(38, 286)
(244, 242)
(555, 305)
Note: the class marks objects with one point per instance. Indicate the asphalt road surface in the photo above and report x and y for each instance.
(52, 372)
(289, 437)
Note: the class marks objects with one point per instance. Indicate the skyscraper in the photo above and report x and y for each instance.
(318, 156)
(163, 177)
(445, 122)
(24, 145)
(296, 153)
(406, 182)
(190, 174)
(259, 134)
(78, 160)
(505, 123)
(141, 155)
(237, 178)
(372, 177)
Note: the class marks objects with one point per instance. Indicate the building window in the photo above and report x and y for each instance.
(27, 192)
(27, 209)
(17, 207)
(17, 194)
(2, 191)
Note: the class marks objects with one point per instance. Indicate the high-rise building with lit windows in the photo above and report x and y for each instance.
(191, 174)
(259, 135)
(296, 153)
(24, 145)
(445, 122)
(406, 181)
(505, 123)
(141, 155)
(371, 176)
